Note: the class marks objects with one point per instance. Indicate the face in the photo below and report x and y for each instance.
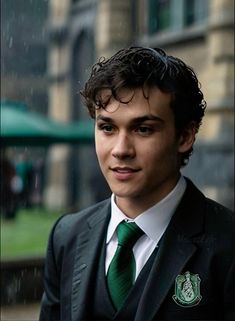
(137, 148)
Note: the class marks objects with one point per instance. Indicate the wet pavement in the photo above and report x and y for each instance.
(27, 312)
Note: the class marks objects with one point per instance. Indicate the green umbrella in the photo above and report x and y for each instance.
(21, 127)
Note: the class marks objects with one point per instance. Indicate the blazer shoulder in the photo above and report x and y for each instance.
(63, 227)
(219, 216)
(218, 208)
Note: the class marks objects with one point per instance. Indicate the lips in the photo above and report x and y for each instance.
(124, 173)
(124, 169)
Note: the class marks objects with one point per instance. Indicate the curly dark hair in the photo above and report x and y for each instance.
(137, 67)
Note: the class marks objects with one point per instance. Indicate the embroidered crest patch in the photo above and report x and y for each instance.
(187, 290)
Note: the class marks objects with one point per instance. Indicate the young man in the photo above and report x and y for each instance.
(158, 249)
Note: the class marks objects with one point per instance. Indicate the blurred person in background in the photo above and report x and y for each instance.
(37, 182)
(158, 249)
(24, 170)
(11, 187)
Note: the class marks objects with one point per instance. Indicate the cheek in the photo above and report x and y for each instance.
(102, 149)
(160, 154)
(152, 151)
(98, 143)
(100, 153)
(98, 150)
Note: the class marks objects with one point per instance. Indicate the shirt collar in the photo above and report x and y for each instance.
(153, 221)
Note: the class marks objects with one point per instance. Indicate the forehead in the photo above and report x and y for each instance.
(135, 102)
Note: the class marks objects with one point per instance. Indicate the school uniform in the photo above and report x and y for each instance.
(188, 275)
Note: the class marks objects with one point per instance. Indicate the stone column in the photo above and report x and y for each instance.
(219, 121)
(113, 26)
(56, 192)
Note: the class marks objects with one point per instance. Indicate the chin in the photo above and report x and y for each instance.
(124, 194)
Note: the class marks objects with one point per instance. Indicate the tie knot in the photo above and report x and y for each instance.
(128, 234)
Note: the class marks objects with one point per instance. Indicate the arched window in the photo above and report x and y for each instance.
(83, 58)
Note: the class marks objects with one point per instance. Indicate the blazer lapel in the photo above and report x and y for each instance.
(175, 250)
(88, 249)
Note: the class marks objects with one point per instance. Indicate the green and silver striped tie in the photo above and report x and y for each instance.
(122, 269)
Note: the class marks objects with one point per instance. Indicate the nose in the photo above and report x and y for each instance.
(124, 147)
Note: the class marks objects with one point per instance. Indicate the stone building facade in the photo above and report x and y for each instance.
(201, 32)
(23, 53)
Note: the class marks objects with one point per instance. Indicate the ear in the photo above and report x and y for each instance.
(187, 138)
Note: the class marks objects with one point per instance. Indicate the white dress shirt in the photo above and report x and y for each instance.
(153, 222)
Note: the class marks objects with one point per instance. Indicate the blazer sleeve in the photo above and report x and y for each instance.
(230, 294)
(50, 304)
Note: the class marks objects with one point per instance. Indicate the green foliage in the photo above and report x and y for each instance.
(27, 234)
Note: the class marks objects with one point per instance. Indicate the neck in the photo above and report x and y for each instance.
(131, 207)
(134, 206)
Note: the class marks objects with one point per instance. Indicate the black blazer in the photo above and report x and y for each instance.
(200, 239)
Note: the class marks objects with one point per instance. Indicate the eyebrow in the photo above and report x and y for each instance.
(136, 120)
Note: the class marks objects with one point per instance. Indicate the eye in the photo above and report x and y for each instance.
(144, 130)
(106, 128)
